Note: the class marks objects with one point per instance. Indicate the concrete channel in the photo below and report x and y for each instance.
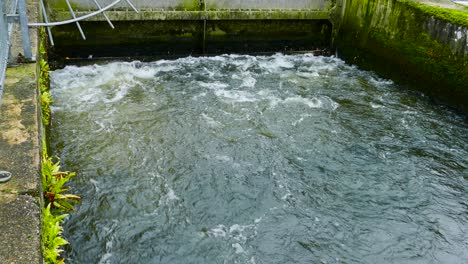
(422, 44)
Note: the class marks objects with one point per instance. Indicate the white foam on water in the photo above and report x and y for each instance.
(210, 121)
(311, 103)
(171, 195)
(308, 75)
(301, 119)
(223, 158)
(282, 61)
(375, 106)
(234, 96)
(380, 82)
(95, 184)
(239, 249)
(268, 95)
(213, 85)
(278, 63)
(105, 259)
(286, 196)
(218, 231)
(238, 228)
(198, 96)
(249, 82)
(109, 83)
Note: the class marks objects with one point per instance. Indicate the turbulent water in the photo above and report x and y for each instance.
(267, 159)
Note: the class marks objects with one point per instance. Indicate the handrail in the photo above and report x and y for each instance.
(51, 24)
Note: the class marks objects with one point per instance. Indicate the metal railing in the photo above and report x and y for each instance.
(14, 11)
(11, 12)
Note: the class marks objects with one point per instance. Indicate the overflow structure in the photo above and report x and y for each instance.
(422, 44)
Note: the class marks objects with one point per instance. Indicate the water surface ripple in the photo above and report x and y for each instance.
(267, 159)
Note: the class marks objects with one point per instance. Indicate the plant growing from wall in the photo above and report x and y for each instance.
(56, 198)
(53, 182)
(51, 236)
(46, 98)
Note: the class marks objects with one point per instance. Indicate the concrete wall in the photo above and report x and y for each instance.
(185, 27)
(415, 43)
(210, 4)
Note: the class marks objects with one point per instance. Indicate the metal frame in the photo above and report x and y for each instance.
(18, 14)
(77, 19)
(15, 14)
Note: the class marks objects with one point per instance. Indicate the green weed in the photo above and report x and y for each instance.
(52, 240)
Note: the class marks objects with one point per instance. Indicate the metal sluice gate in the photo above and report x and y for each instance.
(15, 11)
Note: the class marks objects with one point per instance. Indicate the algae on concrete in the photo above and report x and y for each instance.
(407, 42)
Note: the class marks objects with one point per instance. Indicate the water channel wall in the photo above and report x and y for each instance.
(423, 45)
(185, 27)
(414, 42)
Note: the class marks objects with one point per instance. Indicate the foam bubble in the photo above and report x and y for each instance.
(171, 195)
(249, 82)
(235, 96)
(239, 249)
(213, 85)
(311, 103)
(219, 231)
(210, 121)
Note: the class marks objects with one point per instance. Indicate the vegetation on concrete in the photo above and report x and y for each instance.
(457, 17)
(56, 198)
(51, 236)
(402, 43)
(45, 98)
(53, 182)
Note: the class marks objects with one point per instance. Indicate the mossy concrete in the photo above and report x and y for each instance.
(421, 44)
(20, 154)
(185, 37)
(222, 14)
(196, 4)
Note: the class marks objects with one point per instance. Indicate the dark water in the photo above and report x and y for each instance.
(242, 159)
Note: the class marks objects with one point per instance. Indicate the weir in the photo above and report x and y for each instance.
(279, 133)
(180, 27)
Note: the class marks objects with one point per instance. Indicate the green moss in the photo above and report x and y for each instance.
(60, 4)
(393, 40)
(267, 134)
(189, 5)
(457, 17)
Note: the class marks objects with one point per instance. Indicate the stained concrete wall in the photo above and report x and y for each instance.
(421, 44)
(190, 27)
(210, 4)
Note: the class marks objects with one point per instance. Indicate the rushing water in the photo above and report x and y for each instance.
(269, 159)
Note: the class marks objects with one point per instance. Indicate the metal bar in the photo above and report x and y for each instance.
(13, 8)
(24, 29)
(12, 19)
(4, 46)
(131, 5)
(74, 17)
(104, 14)
(46, 22)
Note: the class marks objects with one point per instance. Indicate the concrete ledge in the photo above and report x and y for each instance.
(20, 198)
(148, 15)
(20, 229)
